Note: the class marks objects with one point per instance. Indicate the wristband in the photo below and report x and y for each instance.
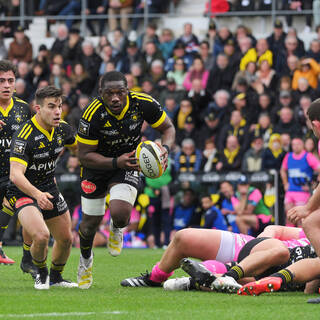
(166, 147)
(114, 163)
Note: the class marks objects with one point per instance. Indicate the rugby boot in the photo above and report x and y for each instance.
(85, 272)
(268, 284)
(42, 280)
(27, 266)
(115, 241)
(4, 259)
(141, 281)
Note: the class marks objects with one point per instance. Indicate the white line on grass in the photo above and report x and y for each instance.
(58, 314)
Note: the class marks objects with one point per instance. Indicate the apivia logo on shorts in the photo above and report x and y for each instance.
(88, 187)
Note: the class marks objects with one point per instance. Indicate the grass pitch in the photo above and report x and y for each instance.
(106, 299)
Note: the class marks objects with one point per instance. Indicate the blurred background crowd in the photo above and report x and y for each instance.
(238, 103)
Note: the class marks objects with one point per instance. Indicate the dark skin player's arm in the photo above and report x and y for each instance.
(89, 158)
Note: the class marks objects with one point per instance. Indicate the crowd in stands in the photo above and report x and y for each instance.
(238, 104)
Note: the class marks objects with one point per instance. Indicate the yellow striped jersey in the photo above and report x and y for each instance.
(38, 150)
(117, 134)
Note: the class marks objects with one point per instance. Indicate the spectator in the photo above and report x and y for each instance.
(233, 54)
(252, 159)
(97, 7)
(285, 142)
(252, 214)
(263, 128)
(184, 213)
(236, 127)
(285, 100)
(220, 108)
(148, 87)
(73, 7)
(118, 41)
(72, 51)
(245, 45)
(68, 93)
(298, 6)
(224, 34)
(211, 36)
(208, 130)
(22, 90)
(107, 56)
(196, 71)
(205, 55)
(170, 106)
(90, 61)
(189, 131)
(310, 146)
(291, 66)
(287, 124)
(189, 39)
(304, 88)
(20, 49)
(76, 112)
(309, 69)
(258, 54)
(264, 106)
(133, 55)
(123, 8)
(296, 174)
(150, 35)
(246, 77)
(57, 76)
(157, 75)
(171, 90)
(178, 73)
(221, 76)
(273, 155)
(36, 75)
(300, 112)
(185, 110)
(189, 158)
(179, 53)
(231, 157)
(151, 54)
(167, 43)
(276, 39)
(61, 39)
(213, 217)
(209, 156)
(314, 50)
(133, 84)
(81, 82)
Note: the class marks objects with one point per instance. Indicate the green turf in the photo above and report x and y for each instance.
(18, 297)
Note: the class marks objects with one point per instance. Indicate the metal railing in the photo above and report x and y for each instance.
(146, 15)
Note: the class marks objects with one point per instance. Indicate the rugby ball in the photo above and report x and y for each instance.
(149, 159)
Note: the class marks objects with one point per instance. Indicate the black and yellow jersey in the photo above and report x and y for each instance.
(38, 150)
(117, 134)
(14, 116)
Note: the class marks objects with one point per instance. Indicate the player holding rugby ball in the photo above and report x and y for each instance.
(108, 135)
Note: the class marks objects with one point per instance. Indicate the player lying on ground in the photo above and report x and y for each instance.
(205, 244)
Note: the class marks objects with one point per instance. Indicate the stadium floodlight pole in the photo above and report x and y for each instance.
(146, 14)
(83, 23)
(22, 15)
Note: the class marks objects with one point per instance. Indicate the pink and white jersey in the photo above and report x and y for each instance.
(302, 242)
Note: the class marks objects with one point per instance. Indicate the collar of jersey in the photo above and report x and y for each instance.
(44, 131)
(123, 112)
(6, 111)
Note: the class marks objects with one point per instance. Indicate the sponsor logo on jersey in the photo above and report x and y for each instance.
(41, 145)
(110, 132)
(88, 187)
(41, 155)
(59, 140)
(23, 201)
(40, 136)
(15, 127)
(19, 147)
(57, 150)
(133, 126)
(18, 117)
(5, 142)
(44, 166)
(107, 124)
(84, 128)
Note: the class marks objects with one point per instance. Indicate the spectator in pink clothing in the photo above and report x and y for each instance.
(296, 172)
(196, 71)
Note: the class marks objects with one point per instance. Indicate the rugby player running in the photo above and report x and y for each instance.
(108, 134)
(33, 192)
(13, 112)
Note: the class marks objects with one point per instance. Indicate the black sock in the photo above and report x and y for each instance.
(85, 245)
(26, 252)
(285, 274)
(56, 270)
(236, 272)
(5, 216)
